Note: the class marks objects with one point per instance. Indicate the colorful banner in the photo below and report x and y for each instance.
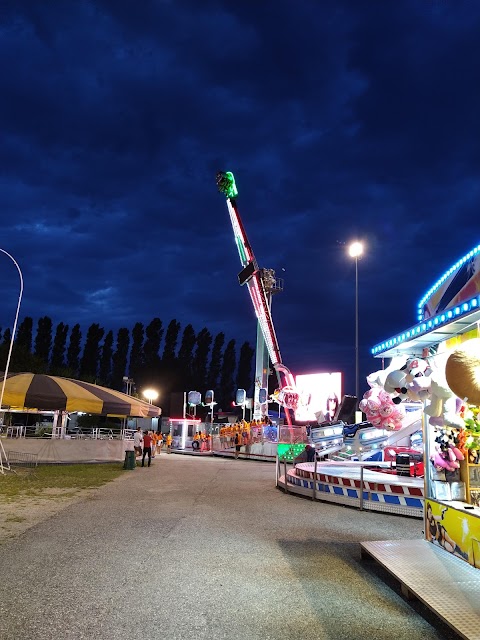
(457, 531)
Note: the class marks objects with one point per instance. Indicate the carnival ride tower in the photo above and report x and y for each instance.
(261, 284)
(272, 285)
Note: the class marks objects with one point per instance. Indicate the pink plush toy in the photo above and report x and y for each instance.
(446, 454)
(381, 410)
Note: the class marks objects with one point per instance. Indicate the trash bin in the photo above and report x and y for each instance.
(402, 462)
(130, 462)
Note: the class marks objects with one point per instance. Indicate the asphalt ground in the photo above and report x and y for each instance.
(206, 548)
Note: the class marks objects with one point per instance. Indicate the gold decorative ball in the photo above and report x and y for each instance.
(463, 371)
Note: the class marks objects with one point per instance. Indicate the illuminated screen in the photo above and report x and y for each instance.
(320, 387)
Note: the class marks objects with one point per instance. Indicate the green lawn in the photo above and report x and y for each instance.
(62, 477)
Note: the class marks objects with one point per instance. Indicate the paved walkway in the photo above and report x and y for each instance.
(203, 549)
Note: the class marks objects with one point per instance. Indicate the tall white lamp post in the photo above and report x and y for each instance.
(355, 251)
(14, 325)
(12, 339)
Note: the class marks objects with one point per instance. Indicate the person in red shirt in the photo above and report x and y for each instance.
(147, 448)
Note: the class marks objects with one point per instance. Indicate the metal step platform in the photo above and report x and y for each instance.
(445, 584)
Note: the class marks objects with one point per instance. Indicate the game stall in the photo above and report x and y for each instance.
(437, 362)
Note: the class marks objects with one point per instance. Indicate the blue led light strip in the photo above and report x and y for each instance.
(442, 319)
(440, 282)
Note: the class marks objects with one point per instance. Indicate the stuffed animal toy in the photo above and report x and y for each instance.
(412, 381)
(447, 454)
(417, 367)
(381, 410)
(419, 389)
(418, 373)
(377, 378)
(396, 385)
(442, 408)
(462, 371)
(462, 442)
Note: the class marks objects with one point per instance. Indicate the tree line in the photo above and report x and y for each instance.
(165, 359)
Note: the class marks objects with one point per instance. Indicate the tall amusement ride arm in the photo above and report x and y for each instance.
(251, 276)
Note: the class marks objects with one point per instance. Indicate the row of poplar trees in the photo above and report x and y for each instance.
(169, 360)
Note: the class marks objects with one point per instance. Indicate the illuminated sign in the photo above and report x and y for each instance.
(325, 391)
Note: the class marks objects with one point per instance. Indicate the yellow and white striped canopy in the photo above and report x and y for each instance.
(52, 393)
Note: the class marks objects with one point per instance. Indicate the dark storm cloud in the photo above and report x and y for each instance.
(339, 119)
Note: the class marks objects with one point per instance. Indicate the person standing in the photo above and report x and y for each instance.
(159, 442)
(147, 449)
(153, 435)
(138, 441)
(169, 442)
(237, 445)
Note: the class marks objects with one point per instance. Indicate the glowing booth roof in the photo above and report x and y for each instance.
(449, 308)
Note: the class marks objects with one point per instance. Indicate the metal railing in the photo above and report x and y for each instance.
(21, 461)
(360, 464)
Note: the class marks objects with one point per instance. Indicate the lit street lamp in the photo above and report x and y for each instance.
(151, 395)
(355, 250)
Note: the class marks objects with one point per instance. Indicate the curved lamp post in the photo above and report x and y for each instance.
(355, 251)
(14, 325)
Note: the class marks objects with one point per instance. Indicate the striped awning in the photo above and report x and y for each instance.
(52, 393)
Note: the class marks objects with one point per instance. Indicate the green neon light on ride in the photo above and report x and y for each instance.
(226, 184)
(241, 250)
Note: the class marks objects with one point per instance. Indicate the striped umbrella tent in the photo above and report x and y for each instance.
(52, 393)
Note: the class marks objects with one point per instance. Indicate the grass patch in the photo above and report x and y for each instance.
(47, 477)
(15, 519)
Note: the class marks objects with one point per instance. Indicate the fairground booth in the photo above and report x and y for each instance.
(437, 362)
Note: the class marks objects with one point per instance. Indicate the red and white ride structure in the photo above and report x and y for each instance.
(261, 283)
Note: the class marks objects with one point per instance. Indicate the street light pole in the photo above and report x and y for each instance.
(14, 325)
(356, 251)
(356, 333)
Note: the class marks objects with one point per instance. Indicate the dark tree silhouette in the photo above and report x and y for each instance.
(170, 346)
(105, 365)
(57, 363)
(91, 353)
(168, 379)
(22, 358)
(137, 357)
(43, 341)
(151, 347)
(200, 359)
(73, 351)
(244, 373)
(227, 375)
(7, 337)
(4, 349)
(185, 358)
(190, 369)
(119, 359)
(214, 369)
(24, 335)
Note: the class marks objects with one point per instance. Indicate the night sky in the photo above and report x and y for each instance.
(340, 120)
